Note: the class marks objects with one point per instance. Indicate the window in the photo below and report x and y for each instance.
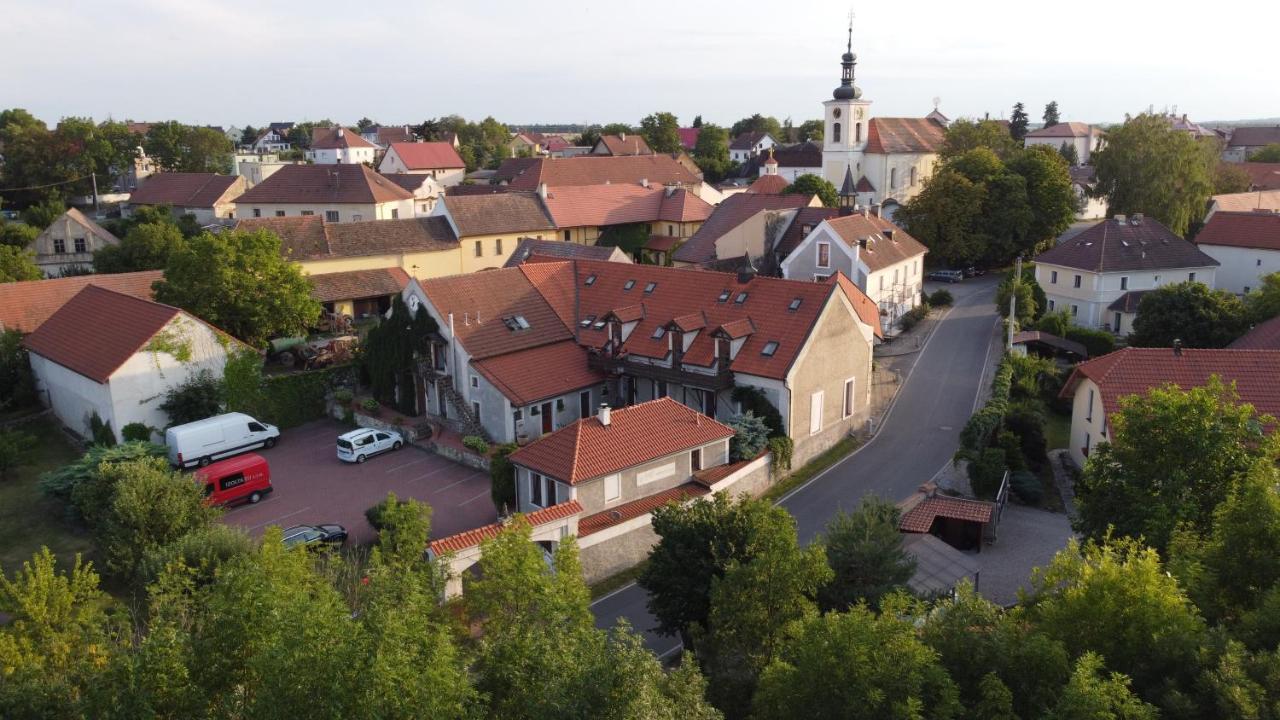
(257, 212)
(649, 288)
(1051, 304)
(475, 406)
(59, 245)
(626, 286)
(913, 176)
(658, 332)
(795, 305)
(256, 427)
(497, 246)
(1077, 281)
(1124, 283)
(1086, 444)
(535, 489)
(475, 381)
(770, 348)
(671, 230)
(1115, 328)
(724, 296)
(231, 481)
(1157, 280)
(1075, 311)
(882, 282)
(309, 213)
(329, 216)
(279, 213)
(742, 298)
(824, 255)
(591, 280)
(1088, 413)
(357, 218)
(1258, 263)
(81, 247)
(612, 487)
(395, 213)
(848, 397)
(586, 321)
(479, 249)
(893, 177)
(805, 230)
(568, 236)
(857, 132)
(835, 132)
(695, 459)
(1053, 277)
(815, 413)
(1191, 277)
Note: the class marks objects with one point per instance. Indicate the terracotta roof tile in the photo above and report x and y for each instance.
(357, 284)
(310, 238)
(904, 135)
(599, 205)
(475, 536)
(480, 301)
(769, 185)
(636, 434)
(554, 282)
(1254, 136)
(1248, 201)
(96, 331)
(400, 133)
(187, 189)
(1112, 246)
(1263, 336)
(1259, 230)
(527, 376)
(882, 250)
(809, 217)
(530, 248)
(24, 306)
(528, 173)
(919, 519)
(868, 311)
(629, 511)
(331, 139)
(1262, 176)
(324, 184)
(622, 146)
(512, 212)
(689, 137)
(729, 214)
(1065, 130)
(427, 155)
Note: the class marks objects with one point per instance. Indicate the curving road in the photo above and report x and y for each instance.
(917, 438)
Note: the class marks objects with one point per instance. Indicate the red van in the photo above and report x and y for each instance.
(244, 478)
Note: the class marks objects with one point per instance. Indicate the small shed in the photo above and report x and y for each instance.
(960, 522)
(1043, 344)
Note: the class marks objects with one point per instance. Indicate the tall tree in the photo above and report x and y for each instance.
(1091, 694)
(1230, 178)
(944, 216)
(1068, 152)
(963, 136)
(1264, 302)
(757, 123)
(661, 131)
(1050, 194)
(183, 148)
(810, 184)
(697, 121)
(364, 123)
(1148, 167)
(864, 551)
(238, 281)
(1270, 153)
(145, 247)
(1051, 114)
(1190, 312)
(711, 152)
(18, 264)
(1018, 122)
(810, 130)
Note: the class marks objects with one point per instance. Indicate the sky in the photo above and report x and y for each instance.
(237, 62)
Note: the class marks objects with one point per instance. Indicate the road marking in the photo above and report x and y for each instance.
(405, 465)
(433, 472)
(453, 484)
(466, 502)
(274, 521)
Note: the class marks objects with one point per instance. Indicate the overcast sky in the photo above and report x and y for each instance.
(232, 62)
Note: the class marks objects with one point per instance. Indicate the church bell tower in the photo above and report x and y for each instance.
(846, 119)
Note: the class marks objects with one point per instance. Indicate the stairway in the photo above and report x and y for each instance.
(464, 414)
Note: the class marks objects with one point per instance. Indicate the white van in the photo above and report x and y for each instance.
(203, 441)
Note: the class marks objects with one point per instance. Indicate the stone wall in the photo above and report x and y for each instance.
(617, 554)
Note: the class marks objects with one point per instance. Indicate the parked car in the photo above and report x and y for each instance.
(947, 276)
(203, 441)
(315, 536)
(359, 445)
(246, 478)
(973, 271)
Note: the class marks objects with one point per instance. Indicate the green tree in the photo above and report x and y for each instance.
(757, 123)
(963, 136)
(238, 281)
(364, 123)
(1264, 302)
(391, 352)
(1148, 167)
(18, 264)
(711, 152)
(184, 148)
(1050, 116)
(662, 131)
(1018, 122)
(750, 435)
(1269, 154)
(697, 121)
(995, 700)
(1173, 456)
(944, 216)
(1190, 312)
(1068, 152)
(809, 184)
(864, 551)
(855, 665)
(144, 247)
(1230, 178)
(1050, 193)
(1091, 695)
(196, 398)
(17, 384)
(1028, 306)
(811, 131)
(697, 544)
(16, 234)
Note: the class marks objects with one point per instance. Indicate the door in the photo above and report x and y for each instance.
(382, 441)
(584, 404)
(1117, 324)
(546, 418)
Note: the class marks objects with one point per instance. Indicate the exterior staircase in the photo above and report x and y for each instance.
(464, 416)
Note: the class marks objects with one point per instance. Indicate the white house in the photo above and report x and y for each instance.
(1086, 274)
(750, 144)
(341, 145)
(208, 197)
(68, 243)
(274, 139)
(439, 160)
(1245, 141)
(337, 193)
(115, 356)
(1082, 182)
(1244, 202)
(881, 258)
(1247, 246)
(1083, 138)
(795, 160)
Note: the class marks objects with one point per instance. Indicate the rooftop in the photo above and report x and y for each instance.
(530, 247)
(310, 238)
(357, 284)
(598, 205)
(528, 173)
(729, 214)
(1259, 230)
(340, 138)
(904, 135)
(1126, 243)
(512, 212)
(427, 155)
(324, 185)
(1263, 336)
(24, 306)
(185, 189)
(619, 145)
(886, 243)
(1254, 136)
(1065, 130)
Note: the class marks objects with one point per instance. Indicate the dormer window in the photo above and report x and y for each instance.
(658, 332)
(649, 288)
(628, 285)
(724, 296)
(795, 305)
(591, 280)
(742, 297)
(770, 348)
(805, 230)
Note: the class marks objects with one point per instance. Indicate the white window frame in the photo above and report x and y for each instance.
(612, 488)
(849, 399)
(815, 412)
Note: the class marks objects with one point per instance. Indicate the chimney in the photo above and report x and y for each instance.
(1136, 218)
(644, 182)
(875, 209)
(340, 132)
(1177, 346)
(604, 414)
(622, 136)
(542, 190)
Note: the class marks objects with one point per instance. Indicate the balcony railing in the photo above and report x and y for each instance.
(620, 365)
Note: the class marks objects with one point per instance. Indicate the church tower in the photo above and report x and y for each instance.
(846, 119)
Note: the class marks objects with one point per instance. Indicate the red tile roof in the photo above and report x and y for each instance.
(689, 137)
(357, 284)
(1262, 176)
(310, 238)
(1128, 302)
(1247, 201)
(919, 519)
(1065, 130)
(729, 214)
(324, 184)
(904, 135)
(598, 205)
(24, 306)
(527, 376)
(629, 511)
(769, 185)
(635, 435)
(625, 145)
(427, 155)
(98, 330)
(805, 216)
(495, 214)
(201, 190)
(480, 301)
(868, 311)
(1264, 336)
(535, 250)
(400, 133)
(1112, 246)
(528, 173)
(882, 250)
(1134, 371)
(332, 139)
(472, 538)
(1255, 136)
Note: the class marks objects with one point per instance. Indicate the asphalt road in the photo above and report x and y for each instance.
(917, 438)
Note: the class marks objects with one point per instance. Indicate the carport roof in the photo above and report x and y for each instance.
(472, 538)
(919, 519)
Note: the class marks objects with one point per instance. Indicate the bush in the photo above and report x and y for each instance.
(17, 385)
(754, 401)
(782, 448)
(1097, 342)
(100, 432)
(941, 298)
(986, 472)
(343, 395)
(62, 483)
(203, 550)
(374, 514)
(1027, 487)
(370, 404)
(136, 432)
(15, 450)
(912, 317)
(476, 444)
(290, 400)
(1011, 444)
(1028, 425)
(750, 434)
(196, 398)
(502, 478)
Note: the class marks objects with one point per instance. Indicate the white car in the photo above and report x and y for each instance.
(359, 445)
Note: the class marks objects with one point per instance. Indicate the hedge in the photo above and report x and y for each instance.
(982, 427)
(293, 399)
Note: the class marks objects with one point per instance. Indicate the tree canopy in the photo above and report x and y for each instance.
(1269, 154)
(661, 132)
(185, 148)
(1050, 116)
(864, 551)
(1018, 122)
(810, 184)
(18, 264)
(146, 246)
(711, 152)
(758, 123)
(1190, 312)
(965, 135)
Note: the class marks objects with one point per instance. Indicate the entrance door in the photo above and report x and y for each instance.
(1116, 330)
(546, 418)
(584, 404)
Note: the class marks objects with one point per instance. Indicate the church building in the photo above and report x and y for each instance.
(883, 160)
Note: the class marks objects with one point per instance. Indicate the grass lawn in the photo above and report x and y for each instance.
(1057, 431)
(29, 520)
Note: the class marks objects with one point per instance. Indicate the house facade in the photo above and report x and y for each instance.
(1082, 139)
(421, 247)
(274, 139)
(1087, 273)
(1245, 141)
(341, 145)
(69, 242)
(208, 197)
(750, 144)
(795, 160)
(335, 193)
(437, 159)
(621, 145)
(745, 225)
(489, 227)
(1246, 246)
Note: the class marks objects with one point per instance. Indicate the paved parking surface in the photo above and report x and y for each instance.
(313, 486)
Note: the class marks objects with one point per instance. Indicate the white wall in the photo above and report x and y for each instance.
(1242, 269)
(1084, 145)
(1086, 426)
(347, 212)
(72, 396)
(1098, 290)
(345, 156)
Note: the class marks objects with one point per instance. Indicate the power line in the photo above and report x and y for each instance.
(40, 187)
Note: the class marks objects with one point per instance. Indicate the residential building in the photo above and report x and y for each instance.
(335, 193)
(489, 227)
(425, 189)
(341, 145)
(1096, 387)
(1246, 246)
(535, 250)
(795, 160)
(769, 182)
(208, 197)
(1263, 336)
(25, 305)
(743, 225)
(114, 356)
(525, 145)
(437, 159)
(621, 145)
(1262, 175)
(69, 242)
(1182, 124)
(881, 258)
(273, 139)
(529, 173)
(1082, 138)
(1083, 179)
(358, 294)
(1087, 273)
(1244, 202)
(689, 138)
(1245, 141)
(750, 144)
(889, 157)
(587, 214)
(423, 247)
(383, 136)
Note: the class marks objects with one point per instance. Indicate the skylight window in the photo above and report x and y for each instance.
(599, 324)
(658, 332)
(742, 297)
(770, 348)
(648, 289)
(724, 296)
(629, 284)
(515, 322)
(795, 305)
(591, 280)
(586, 321)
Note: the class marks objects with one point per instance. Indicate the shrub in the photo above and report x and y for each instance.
(502, 478)
(370, 404)
(1027, 487)
(782, 448)
(750, 434)
(343, 395)
(196, 398)
(754, 401)
(17, 385)
(912, 317)
(136, 432)
(62, 483)
(203, 550)
(476, 444)
(1011, 444)
(374, 514)
(1097, 342)
(15, 450)
(100, 432)
(941, 298)
(986, 472)
(1028, 425)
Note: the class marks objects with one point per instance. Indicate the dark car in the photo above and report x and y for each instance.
(315, 536)
(947, 276)
(972, 271)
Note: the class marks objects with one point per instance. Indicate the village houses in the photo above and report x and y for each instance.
(207, 197)
(341, 145)
(1246, 246)
(336, 193)
(68, 244)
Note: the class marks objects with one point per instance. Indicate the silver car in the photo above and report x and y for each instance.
(359, 445)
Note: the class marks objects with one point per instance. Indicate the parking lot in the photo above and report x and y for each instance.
(312, 486)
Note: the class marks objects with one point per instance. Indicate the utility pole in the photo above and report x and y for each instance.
(1013, 303)
(96, 209)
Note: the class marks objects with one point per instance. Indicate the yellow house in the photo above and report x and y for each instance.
(488, 227)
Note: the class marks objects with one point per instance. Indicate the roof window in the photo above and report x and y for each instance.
(591, 280)
(515, 322)
(724, 296)
(795, 304)
(599, 324)
(742, 297)
(648, 289)
(628, 285)
(658, 332)
(770, 348)
(586, 321)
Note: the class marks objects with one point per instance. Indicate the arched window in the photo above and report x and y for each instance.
(857, 132)
(913, 176)
(893, 178)
(835, 132)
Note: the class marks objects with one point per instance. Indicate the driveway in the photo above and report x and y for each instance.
(312, 486)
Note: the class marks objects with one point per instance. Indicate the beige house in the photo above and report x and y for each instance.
(69, 242)
(335, 193)
(745, 224)
(208, 197)
(489, 227)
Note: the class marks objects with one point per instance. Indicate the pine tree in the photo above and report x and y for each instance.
(1018, 122)
(1051, 114)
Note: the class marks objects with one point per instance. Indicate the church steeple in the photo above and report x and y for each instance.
(847, 90)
